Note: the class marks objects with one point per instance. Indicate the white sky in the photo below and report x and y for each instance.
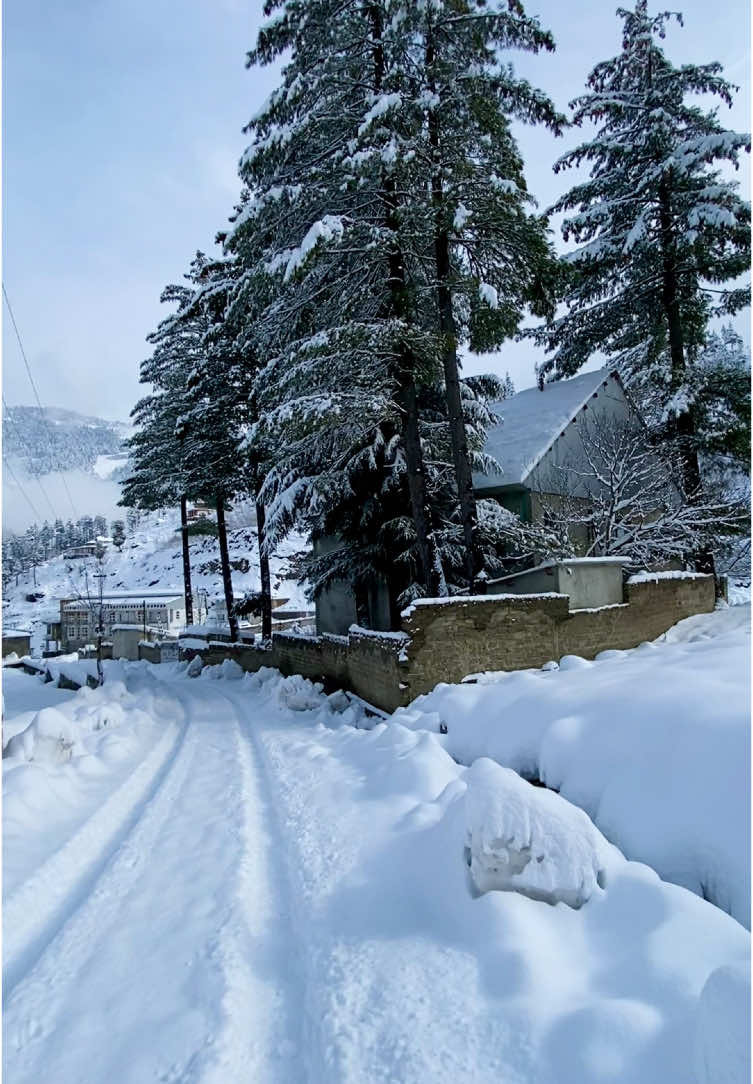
(122, 130)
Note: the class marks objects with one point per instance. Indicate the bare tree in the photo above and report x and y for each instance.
(617, 492)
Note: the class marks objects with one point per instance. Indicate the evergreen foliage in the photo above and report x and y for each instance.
(337, 236)
(660, 230)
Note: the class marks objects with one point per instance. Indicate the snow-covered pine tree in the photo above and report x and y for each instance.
(662, 233)
(487, 255)
(59, 536)
(46, 540)
(157, 452)
(117, 529)
(216, 408)
(720, 397)
(340, 391)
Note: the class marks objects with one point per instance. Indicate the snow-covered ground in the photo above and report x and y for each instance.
(230, 878)
(151, 557)
(653, 743)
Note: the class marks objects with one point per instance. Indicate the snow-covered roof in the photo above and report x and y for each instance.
(126, 597)
(530, 423)
(16, 632)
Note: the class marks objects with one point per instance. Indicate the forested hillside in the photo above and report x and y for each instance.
(57, 440)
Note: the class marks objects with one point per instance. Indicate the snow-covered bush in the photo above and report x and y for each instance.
(524, 839)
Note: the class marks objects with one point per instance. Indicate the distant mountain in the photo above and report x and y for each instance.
(43, 442)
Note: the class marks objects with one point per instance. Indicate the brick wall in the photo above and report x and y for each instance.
(447, 641)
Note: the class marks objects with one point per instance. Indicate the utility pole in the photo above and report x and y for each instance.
(100, 553)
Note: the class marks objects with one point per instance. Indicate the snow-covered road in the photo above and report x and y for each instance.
(175, 956)
(242, 888)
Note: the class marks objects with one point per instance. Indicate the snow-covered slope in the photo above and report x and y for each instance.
(151, 557)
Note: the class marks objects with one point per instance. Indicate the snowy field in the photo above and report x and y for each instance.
(236, 878)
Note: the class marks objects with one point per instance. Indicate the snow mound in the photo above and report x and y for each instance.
(299, 694)
(722, 1044)
(49, 737)
(228, 670)
(523, 839)
(195, 667)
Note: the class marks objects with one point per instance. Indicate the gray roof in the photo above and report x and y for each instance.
(530, 422)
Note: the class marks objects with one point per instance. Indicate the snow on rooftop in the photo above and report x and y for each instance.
(128, 596)
(530, 423)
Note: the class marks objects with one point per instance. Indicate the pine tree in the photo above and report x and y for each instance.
(59, 536)
(215, 410)
(317, 242)
(158, 452)
(661, 232)
(117, 529)
(46, 540)
(491, 256)
(85, 528)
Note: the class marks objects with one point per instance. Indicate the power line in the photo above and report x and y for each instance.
(34, 389)
(9, 418)
(28, 499)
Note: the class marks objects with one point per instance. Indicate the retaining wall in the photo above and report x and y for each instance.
(449, 639)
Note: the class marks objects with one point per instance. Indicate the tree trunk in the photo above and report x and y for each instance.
(227, 579)
(431, 566)
(430, 570)
(458, 439)
(266, 583)
(186, 561)
(684, 425)
(461, 458)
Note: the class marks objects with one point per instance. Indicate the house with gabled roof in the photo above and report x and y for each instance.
(537, 446)
(536, 437)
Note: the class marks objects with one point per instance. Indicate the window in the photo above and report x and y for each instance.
(71, 632)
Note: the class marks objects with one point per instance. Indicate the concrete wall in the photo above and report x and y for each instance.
(587, 582)
(446, 641)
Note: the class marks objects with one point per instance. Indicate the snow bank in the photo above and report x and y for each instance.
(653, 743)
(49, 737)
(524, 839)
(456, 985)
(67, 753)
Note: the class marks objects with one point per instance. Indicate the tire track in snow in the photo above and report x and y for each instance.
(262, 1037)
(38, 908)
(94, 911)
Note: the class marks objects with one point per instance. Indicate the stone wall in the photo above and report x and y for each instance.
(448, 640)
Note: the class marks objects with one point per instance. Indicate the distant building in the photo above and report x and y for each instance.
(16, 641)
(88, 549)
(163, 611)
(200, 510)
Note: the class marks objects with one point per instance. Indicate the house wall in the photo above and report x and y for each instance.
(567, 450)
(448, 640)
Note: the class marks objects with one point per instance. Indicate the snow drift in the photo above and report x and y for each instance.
(524, 839)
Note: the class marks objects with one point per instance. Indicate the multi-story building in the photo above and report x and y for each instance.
(164, 611)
